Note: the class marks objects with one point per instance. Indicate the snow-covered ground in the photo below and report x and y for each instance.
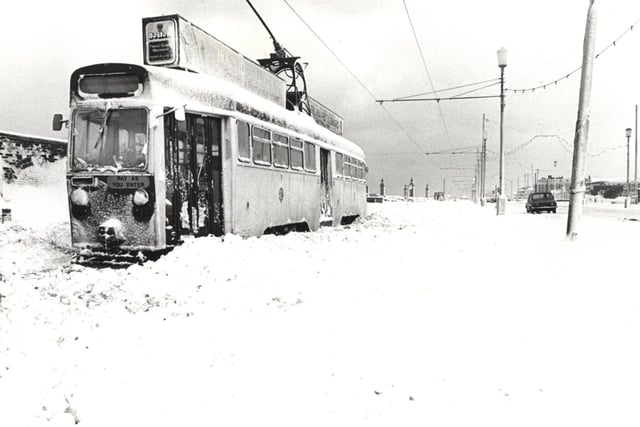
(423, 313)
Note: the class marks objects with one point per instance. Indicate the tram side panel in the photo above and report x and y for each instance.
(267, 197)
(350, 199)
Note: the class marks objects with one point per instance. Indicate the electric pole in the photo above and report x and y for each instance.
(476, 179)
(578, 170)
(484, 160)
(635, 173)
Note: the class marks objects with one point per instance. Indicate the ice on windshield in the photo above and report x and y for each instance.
(110, 139)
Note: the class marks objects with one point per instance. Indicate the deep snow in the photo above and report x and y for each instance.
(423, 313)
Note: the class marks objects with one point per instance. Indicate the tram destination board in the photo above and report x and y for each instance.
(160, 42)
(325, 117)
(172, 41)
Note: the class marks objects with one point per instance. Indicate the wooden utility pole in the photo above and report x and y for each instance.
(582, 125)
(476, 179)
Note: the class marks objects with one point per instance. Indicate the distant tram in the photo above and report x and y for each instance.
(157, 154)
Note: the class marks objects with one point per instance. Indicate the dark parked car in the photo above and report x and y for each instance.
(538, 202)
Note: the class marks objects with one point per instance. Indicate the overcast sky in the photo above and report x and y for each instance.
(43, 42)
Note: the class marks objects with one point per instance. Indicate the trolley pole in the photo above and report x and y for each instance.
(578, 170)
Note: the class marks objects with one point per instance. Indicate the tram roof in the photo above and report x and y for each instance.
(204, 93)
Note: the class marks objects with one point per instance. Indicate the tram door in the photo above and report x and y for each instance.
(325, 182)
(193, 176)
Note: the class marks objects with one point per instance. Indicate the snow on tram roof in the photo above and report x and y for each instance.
(207, 93)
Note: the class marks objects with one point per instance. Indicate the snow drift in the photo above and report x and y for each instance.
(432, 313)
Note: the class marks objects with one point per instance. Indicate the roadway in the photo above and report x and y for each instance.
(602, 210)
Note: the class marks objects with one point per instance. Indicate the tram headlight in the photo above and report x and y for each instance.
(140, 197)
(80, 197)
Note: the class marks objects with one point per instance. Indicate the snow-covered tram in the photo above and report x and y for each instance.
(157, 154)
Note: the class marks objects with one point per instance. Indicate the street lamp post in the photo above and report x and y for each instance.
(501, 200)
(626, 200)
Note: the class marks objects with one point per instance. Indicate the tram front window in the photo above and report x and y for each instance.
(110, 138)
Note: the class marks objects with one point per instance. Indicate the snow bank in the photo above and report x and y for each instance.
(434, 313)
(37, 196)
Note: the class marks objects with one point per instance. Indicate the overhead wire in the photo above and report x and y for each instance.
(567, 75)
(329, 49)
(475, 90)
(426, 69)
(362, 85)
(366, 89)
(448, 89)
(566, 145)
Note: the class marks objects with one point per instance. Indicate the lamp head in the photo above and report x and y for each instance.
(628, 132)
(502, 57)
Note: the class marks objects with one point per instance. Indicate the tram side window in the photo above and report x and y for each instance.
(199, 135)
(296, 154)
(347, 166)
(243, 142)
(309, 157)
(280, 151)
(183, 149)
(339, 164)
(261, 146)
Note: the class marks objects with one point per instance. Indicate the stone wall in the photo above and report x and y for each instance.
(19, 152)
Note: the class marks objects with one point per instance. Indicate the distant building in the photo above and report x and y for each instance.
(560, 187)
(557, 185)
(523, 193)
